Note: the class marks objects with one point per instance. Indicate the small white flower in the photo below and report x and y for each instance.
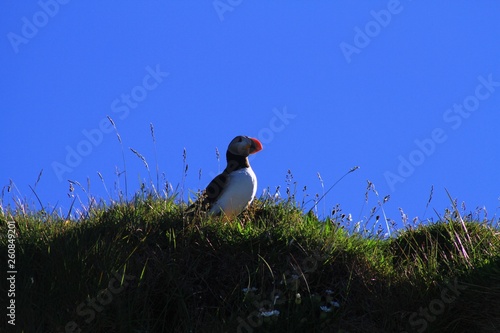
(269, 313)
(335, 304)
(247, 290)
(325, 308)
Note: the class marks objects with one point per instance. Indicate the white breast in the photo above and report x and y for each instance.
(239, 192)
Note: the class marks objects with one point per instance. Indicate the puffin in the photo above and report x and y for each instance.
(232, 191)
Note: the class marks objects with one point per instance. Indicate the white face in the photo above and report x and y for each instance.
(244, 146)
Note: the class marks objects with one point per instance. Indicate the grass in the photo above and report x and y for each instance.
(141, 266)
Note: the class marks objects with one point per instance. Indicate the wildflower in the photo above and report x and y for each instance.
(325, 308)
(270, 313)
(298, 298)
(247, 290)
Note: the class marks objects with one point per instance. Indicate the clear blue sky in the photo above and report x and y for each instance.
(409, 91)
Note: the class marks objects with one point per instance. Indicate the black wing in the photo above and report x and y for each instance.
(210, 195)
(214, 190)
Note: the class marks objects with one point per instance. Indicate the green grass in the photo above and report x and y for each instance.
(153, 270)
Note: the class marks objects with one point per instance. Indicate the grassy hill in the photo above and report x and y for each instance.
(143, 267)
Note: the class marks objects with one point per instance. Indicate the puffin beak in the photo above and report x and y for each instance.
(255, 146)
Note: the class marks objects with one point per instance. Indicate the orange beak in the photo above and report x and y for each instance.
(256, 146)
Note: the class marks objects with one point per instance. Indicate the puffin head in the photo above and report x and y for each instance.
(244, 146)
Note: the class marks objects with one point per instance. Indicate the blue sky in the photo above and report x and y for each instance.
(409, 91)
